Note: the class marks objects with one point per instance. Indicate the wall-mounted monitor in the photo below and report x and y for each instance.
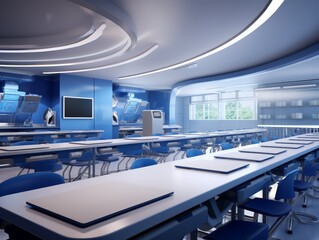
(78, 107)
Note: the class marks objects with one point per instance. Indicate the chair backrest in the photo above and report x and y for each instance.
(132, 135)
(285, 189)
(309, 167)
(226, 145)
(29, 181)
(264, 139)
(62, 140)
(254, 141)
(143, 162)
(194, 152)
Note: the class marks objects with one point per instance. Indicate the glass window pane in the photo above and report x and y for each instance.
(246, 109)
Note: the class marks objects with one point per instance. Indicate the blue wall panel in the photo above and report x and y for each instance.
(78, 87)
(45, 87)
(160, 100)
(103, 106)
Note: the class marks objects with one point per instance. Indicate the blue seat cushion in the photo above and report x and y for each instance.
(266, 206)
(300, 186)
(240, 230)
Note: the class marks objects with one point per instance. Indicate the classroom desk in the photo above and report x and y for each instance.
(191, 188)
(115, 145)
(47, 135)
(126, 130)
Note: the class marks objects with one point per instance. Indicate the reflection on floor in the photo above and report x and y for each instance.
(300, 231)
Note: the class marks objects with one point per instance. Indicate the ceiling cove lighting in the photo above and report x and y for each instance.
(140, 56)
(124, 44)
(268, 12)
(94, 36)
(118, 53)
(300, 86)
(267, 89)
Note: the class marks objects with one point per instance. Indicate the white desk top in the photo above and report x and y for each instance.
(38, 133)
(78, 145)
(289, 126)
(190, 189)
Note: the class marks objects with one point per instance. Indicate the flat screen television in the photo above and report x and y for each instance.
(78, 107)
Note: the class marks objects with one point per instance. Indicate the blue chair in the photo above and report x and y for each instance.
(143, 162)
(254, 141)
(23, 183)
(28, 182)
(103, 155)
(193, 152)
(82, 161)
(161, 152)
(302, 185)
(226, 145)
(38, 163)
(276, 208)
(240, 230)
(130, 153)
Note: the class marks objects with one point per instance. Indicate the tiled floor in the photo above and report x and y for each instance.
(300, 231)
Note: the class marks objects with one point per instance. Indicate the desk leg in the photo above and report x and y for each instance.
(93, 163)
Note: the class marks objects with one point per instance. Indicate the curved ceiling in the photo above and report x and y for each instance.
(116, 40)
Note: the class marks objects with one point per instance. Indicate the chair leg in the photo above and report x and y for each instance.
(304, 203)
(127, 163)
(290, 222)
(63, 173)
(70, 169)
(22, 169)
(305, 218)
(102, 171)
(119, 164)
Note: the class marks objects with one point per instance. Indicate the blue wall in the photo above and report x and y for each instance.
(100, 90)
(160, 100)
(48, 88)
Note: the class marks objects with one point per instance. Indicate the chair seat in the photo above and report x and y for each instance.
(107, 158)
(76, 163)
(268, 207)
(43, 166)
(240, 230)
(300, 186)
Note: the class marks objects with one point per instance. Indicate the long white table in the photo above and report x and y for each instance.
(45, 135)
(190, 187)
(8, 154)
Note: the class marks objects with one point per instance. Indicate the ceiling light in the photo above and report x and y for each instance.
(269, 11)
(127, 43)
(142, 55)
(267, 89)
(95, 35)
(120, 52)
(300, 86)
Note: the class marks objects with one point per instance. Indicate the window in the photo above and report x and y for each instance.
(236, 105)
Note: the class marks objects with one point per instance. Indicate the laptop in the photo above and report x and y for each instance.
(92, 204)
(216, 166)
(272, 151)
(245, 156)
